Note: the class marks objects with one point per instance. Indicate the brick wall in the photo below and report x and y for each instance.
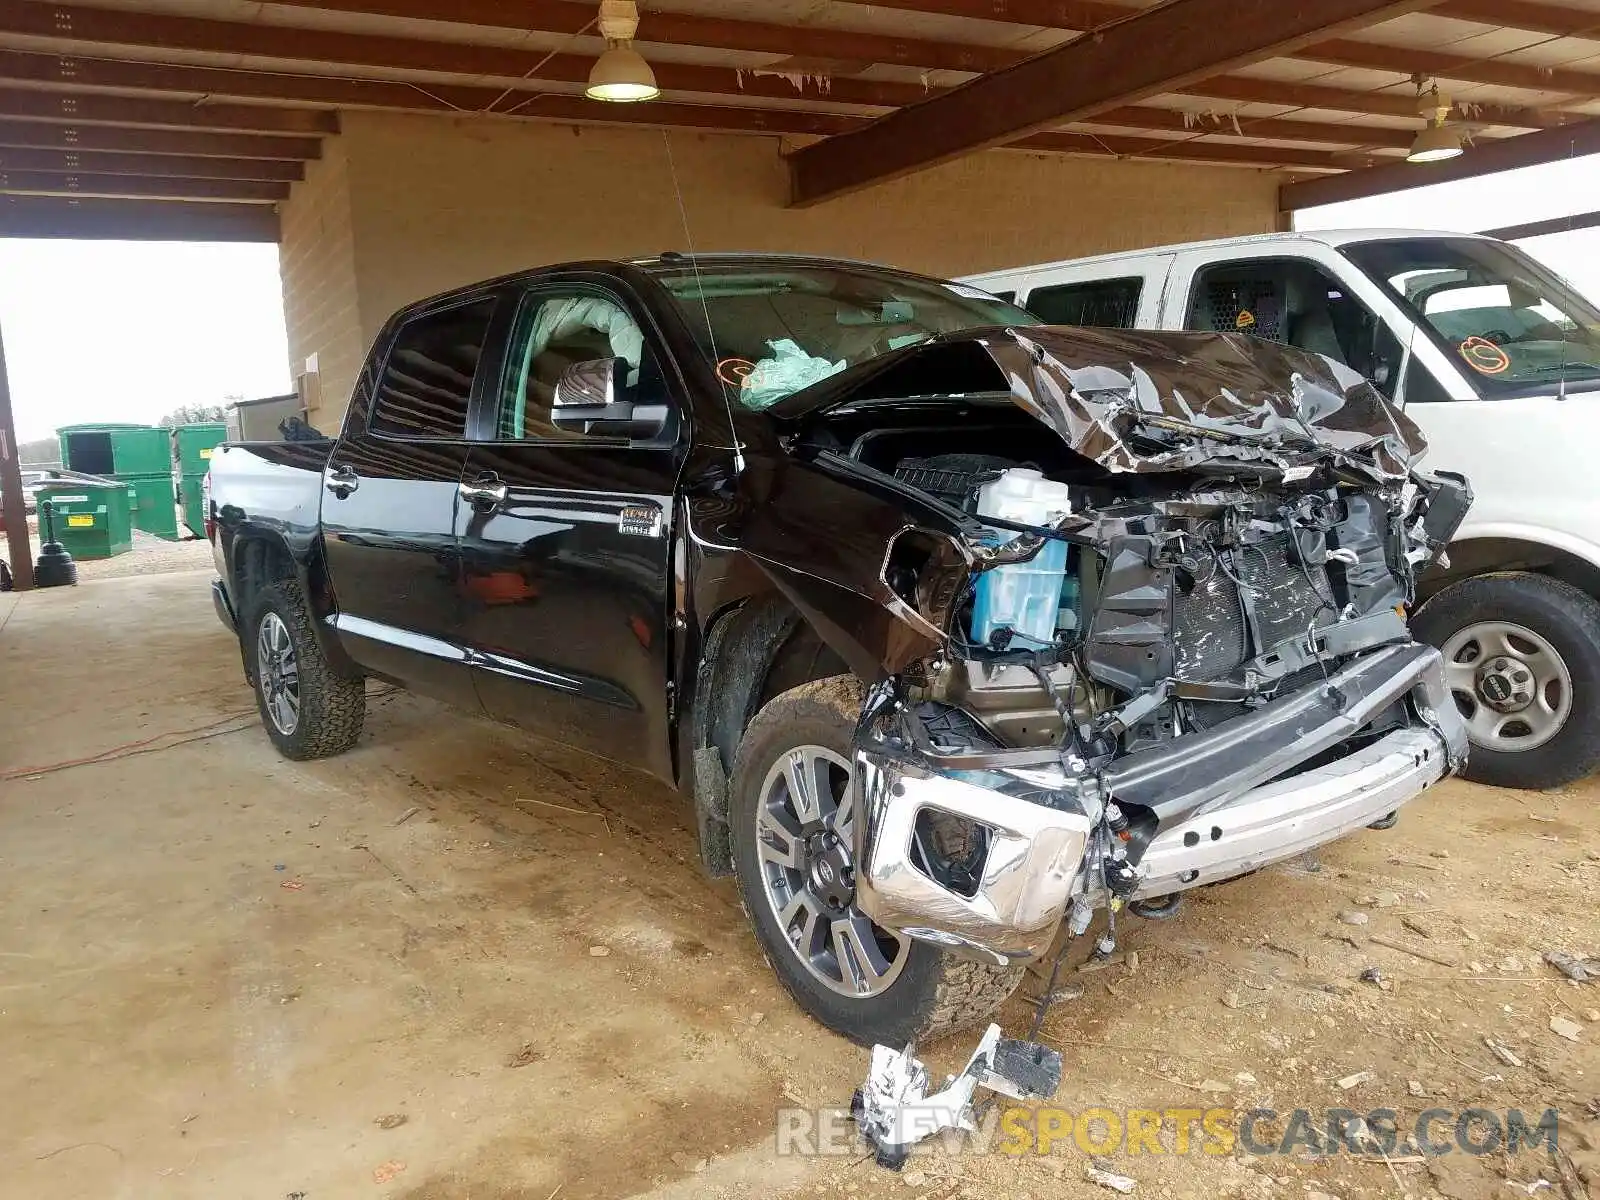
(321, 304)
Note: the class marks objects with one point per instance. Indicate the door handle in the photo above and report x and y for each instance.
(486, 492)
(342, 481)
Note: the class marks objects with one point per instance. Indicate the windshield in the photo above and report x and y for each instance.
(1514, 324)
(777, 327)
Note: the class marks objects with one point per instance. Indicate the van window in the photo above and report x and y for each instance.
(1100, 303)
(1298, 304)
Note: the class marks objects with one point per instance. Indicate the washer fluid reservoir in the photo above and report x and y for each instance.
(1024, 597)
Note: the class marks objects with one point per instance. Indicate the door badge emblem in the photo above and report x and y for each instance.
(640, 520)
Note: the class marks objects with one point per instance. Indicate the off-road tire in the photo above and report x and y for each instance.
(332, 706)
(936, 991)
(1570, 621)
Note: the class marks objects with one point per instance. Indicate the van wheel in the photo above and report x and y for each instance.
(790, 818)
(308, 710)
(1522, 661)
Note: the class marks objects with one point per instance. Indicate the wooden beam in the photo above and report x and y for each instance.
(1483, 158)
(87, 108)
(12, 502)
(66, 183)
(1248, 90)
(49, 135)
(182, 166)
(1524, 14)
(1442, 64)
(1577, 221)
(1191, 150)
(1167, 47)
(136, 220)
(1270, 128)
(93, 108)
(569, 17)
(1051, 14)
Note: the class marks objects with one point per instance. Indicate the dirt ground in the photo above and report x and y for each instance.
(459, 963)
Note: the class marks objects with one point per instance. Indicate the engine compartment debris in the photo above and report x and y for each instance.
(1163, 648)
(895, 1110)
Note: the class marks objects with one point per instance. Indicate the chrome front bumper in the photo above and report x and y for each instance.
(1234, 820)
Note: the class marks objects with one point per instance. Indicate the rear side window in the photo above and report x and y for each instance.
(427, 381)
(1101, 303)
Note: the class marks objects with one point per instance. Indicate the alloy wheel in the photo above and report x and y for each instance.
(804, 848)
(278, 674)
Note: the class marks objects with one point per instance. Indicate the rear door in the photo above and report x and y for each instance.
(390, 496)
(566, 537)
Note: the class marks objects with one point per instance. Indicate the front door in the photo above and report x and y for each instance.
(390, 494)
(566, 543)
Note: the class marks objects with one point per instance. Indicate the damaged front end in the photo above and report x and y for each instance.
(1167, 649)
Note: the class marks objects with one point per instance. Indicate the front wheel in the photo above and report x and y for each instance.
(791, 815)
(1522, 662)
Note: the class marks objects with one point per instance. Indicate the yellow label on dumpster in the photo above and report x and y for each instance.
(80, 521)
(206, 453)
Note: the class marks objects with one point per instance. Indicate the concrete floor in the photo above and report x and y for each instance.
(223, 974)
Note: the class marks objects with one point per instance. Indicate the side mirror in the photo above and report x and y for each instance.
(586, 401)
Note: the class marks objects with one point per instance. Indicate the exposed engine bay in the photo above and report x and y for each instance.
(1164, 637)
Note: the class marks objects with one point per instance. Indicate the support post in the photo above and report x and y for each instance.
(19, 549)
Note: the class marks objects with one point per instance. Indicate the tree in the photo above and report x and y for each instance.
(193, 414)
(43, 451)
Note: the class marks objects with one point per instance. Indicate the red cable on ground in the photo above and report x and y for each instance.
(126, 748)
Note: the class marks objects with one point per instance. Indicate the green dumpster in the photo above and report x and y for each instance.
(92, 520)
(155, 505)
(191, 499)
(116, 450)
(192, 446)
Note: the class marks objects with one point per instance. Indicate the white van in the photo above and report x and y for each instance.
(1498, 360)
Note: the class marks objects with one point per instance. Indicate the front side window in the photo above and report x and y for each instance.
(773, 328)
(1099, 303)
(1298, 304)
(427, 380)
(1511, 324)
(557, 328)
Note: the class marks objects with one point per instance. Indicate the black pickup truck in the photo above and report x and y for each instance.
(952, 627)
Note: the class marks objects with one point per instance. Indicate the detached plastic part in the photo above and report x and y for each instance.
(895, 1111)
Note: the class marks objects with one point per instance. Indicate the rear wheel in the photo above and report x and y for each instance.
(791, 821)
(308, 710)
(1522, 662)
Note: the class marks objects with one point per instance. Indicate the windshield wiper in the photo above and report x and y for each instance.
(1566, 366)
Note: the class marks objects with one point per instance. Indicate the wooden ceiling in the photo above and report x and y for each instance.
(128, 117)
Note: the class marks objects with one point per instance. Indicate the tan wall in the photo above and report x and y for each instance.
(436, 202)
(321, 303)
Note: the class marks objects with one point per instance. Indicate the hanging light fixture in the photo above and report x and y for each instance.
(620, 74)
(1436, 141)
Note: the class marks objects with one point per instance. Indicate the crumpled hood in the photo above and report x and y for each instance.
(1144, 401)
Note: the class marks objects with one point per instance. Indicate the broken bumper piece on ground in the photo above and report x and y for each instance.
(1227, 801)
(894, 1109)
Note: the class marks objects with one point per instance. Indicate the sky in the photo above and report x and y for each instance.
(128, 331)
(1489, 202)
